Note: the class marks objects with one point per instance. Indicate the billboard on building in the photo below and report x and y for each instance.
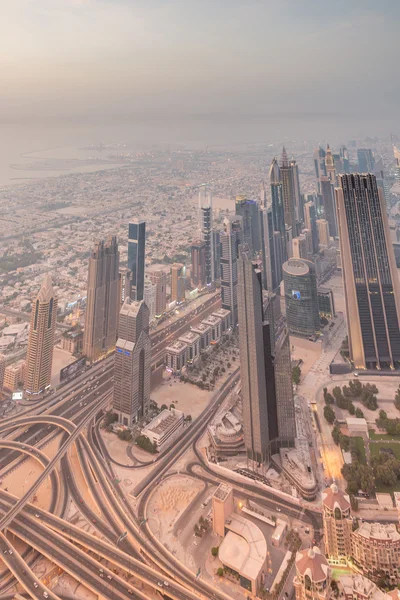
(17, 396)
(72, 369)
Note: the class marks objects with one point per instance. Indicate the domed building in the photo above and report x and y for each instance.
(313, 576)
(338, 524)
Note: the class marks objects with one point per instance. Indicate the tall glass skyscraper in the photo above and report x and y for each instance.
(206, 232)
(301, 298)
(371, 284)
(230, 238)
(136, 257)
(366, 160)
(248, 210)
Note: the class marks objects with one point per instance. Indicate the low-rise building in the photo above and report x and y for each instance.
(222, 507)
(165, 428)
(357, 426)
(176, 356)
(375, 549)
(338, 524)
(357, 587)
(204, 331)
(72, 341)
(192, 340)
(226, 318)
(14, 376)
(215, 323)
(313, 576)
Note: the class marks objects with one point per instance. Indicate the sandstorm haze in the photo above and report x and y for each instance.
(182, 70)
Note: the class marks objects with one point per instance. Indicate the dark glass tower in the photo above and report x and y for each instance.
(248, 210)
(371, 284)
(136, 257)
(366, 160)
(328, 200)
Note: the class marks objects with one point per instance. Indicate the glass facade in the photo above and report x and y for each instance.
(136, 257)
(301, 298)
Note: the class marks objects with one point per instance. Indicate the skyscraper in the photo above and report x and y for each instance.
(288, 191)
(249, 211)
(329, 203)
(298, 204)
(177, 282)
(366, 160)
(206, 232)
(330, 166)
(372, 289)
(301, 299)
(198, 271)
(278, 209)
(102, 305)
(284, 389)
(260, 421)
(344, 154)
(136, 256)
(396, 154)
(310, 223)
(39, 358)
(300, 247)
(319, 165)
(323, 232)
(150, 290)
(132, 368)
(159, 279)
(271, 255)
(217, 254)
(230, 238)
(125, 288)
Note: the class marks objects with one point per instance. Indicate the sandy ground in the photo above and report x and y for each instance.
(61, 359)
(185, 396)
(307, 351)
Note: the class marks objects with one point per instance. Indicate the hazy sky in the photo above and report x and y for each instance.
(163, 57)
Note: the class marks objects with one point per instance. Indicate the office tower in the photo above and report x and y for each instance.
(396, 154)
(125, 285)
(381, 181)
(313, 576)
(278, 210)
(136, 256)
(300, 247)
(323, 232)
(159, 279)
(284, 388)
(371, 284)
(288, 191)
(132, 367)
(296, 190)
(249, 211)
(330, 166)
(198, 270)
(310, 223)
(230, 238)
(178, 282)
(289, 241)
(206, 232)
(301, 297)
(150, 290)
(338, 524)
(319, 165)
(328, 199)
(366, 161)
(271, 251)
(344, 155)
(217, 254)
(263, 195)
(260, 421)
(102, 304)
(39, 357)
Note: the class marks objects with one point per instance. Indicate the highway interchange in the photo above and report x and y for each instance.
(118, 557)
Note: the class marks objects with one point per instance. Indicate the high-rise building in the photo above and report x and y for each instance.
(132, 368)
(313, 576)
(2, 371)
(284, 388)
(125, 288)
(178, 282)
(288, 191)
(344, 154)
(217, 254)
(300, 247)
(136, 257)
(375, 548)
(102, 305)
(323, 232)
(329, 204)
(159, 279)
(249, 211)
(310, 223)
(366, 160)
(278, 209)
(319, 165)
(198, 270)
(381, 180)
(301, 299)
(271, 251)
(206, 232)
(230, 238)
(150, 291)
(260, 420)
(39, 358)
(338, 524)
(296, 191)
(289, 241)
(396, 154)
(330, 166)
(371, 284)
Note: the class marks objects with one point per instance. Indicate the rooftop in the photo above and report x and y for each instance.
(222, 492)
(164, 421)
(122, 345)
(212, 320)
(244, 548)
(333, 497)
(297, 266)
(189, 337)
(312, 563)
(177, 346)
(378, 531)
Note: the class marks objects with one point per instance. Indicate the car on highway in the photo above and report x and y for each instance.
(45, 594)
(35, 584)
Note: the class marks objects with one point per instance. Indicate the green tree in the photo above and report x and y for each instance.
(352, 408)
(214, 551)
(109, 418)
(220, 572)
(296, 374)
(329, 414)
(359, 413)
(382, 415)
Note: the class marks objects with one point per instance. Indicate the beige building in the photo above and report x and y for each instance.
(177, 282)
(337, 524)
(357, 587)
(175, 356)
(222, 507)
(72, 341)
(14, 376)
(323, 232)
(2, 370)
(103, 300)
(313, 576)
(39, 357)
(165, 428)
(375, 547)
(300, 247)
(159, 279)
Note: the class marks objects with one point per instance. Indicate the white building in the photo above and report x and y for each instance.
(176, 356)
(192, 340)
(216, 325)
(226, 318)
(204, 332)
(165, 428)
